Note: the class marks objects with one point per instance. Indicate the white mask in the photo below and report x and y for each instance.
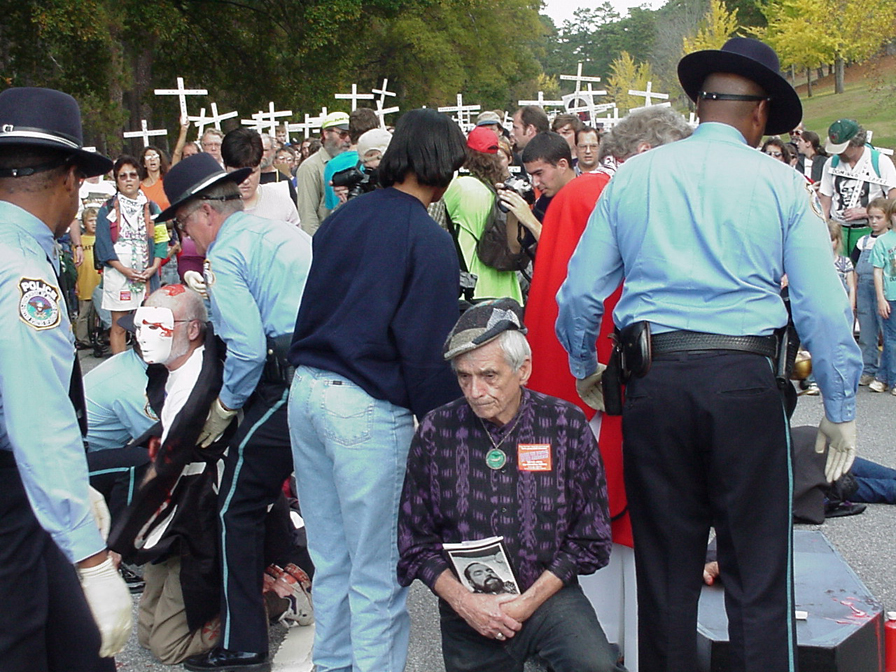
(155, 333)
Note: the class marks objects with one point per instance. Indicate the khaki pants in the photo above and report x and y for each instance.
(162, 619)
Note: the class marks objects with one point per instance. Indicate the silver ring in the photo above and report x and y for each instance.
(500, 636)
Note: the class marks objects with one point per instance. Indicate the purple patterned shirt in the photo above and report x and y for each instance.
(553, 520)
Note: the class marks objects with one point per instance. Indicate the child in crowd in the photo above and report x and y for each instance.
(847, 276)
(844, 265)
(88, 279)
(870, 323)
(883, 259)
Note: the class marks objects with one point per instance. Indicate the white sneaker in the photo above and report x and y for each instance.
(878, 386)
(866, 379)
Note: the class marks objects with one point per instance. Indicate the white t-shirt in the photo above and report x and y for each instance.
(274, 202)
(178, 388)
(857, 186)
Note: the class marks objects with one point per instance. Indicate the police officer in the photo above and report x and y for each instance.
(704, 230)
(255, 275)
(49, 539)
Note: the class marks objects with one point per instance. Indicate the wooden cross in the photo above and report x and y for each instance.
(214, 120)
(354, 96)
(462, 112)
(648, 94)
(267, 119)
(144, 133)
(381, 112)
(300, 127)
(541, 102)
(181, 94)
(579, 79)
(882, 150)
(383, 92)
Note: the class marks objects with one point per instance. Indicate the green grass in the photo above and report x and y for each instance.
(870, 98)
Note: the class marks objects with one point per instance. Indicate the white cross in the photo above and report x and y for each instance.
(586, 97)
(693, 121)
(383, 92)
(541, 102)
(579, 79)
(256, 123)
(214, 120)
(267, 119)
(144, 133)
(508, 120)
(462, 112)
(882, 150)
(610, 121)
(300, 127)
(181, 94)
(381, 112)
(648, 94)
(354, 96)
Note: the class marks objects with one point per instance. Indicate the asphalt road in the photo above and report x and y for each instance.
(867, 541)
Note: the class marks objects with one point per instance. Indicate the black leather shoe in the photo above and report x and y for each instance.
(224, 660)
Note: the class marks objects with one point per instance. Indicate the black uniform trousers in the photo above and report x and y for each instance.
(45, 621)
(258, 461)
(116, 473)
(705, 443)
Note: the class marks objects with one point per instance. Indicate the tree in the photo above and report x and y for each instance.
(627, 75)
(808, 33)
(797, 31)
(717, 26)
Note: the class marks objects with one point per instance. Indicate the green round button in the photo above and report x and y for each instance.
(495, 459)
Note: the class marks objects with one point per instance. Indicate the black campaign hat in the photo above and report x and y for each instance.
(34, 117)
(193, 175)
(754, 60)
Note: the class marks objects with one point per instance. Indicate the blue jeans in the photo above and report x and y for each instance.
(877, 483)
(350, 453)
(887, 370)
(869, 326)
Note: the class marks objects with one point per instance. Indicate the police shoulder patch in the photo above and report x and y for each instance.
(814, 201)
(39, 303)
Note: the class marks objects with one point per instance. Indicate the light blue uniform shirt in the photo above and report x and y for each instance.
(703, 230)
(117, 408)
(255, 272)
(37, 420)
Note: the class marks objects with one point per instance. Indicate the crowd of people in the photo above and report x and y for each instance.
(487, 361)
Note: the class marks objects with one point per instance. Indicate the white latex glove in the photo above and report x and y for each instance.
(218, 420)
(100, 512)
(196, 282)
(842, 448)
(590, 391)
(110, 603)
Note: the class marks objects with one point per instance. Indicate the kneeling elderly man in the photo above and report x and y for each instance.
(507, 462)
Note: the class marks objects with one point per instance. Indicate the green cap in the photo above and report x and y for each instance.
(839, 135)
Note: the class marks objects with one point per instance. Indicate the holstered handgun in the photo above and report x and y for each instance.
(631, 356)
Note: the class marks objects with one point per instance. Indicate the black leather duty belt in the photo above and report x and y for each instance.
(691, 341)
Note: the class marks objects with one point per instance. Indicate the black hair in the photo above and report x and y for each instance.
(426, 143)
(242, 148)
(164, 163)
(124, 160)
(360, 121)
(549, 147)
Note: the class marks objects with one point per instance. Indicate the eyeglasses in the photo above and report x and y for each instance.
(181, 222)
(128, 176)
(338, 131)
(777, 155)
(150, 156)
(210, 145)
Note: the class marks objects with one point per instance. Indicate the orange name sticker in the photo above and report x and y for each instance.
(534, 456)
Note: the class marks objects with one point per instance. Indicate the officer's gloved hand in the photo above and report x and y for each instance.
(590, 391)
(196, 282)
(216, 423)
(842, 449)
(100, 512)
(110, 603)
